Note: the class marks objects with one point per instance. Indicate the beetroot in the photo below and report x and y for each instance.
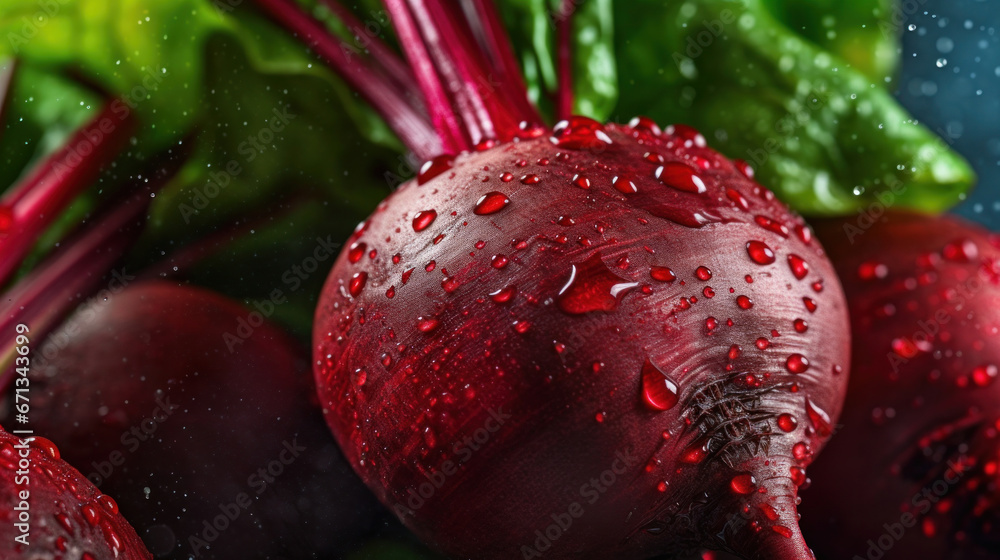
(155, 398)
(913, 471)
(585, 342)
(51, 511)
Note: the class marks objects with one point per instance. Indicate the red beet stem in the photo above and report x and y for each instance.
(564, 30)
(438, 104)
(46, 295)
(34, 203)
(466, 72)
(486, 24)
(6, 88)
(409, 124)
(391, 65)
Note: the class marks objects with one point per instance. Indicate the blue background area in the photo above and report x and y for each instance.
(950, 80)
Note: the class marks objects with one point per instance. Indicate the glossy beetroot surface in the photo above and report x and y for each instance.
(913, 471)
(67, 517)
(157, 405)
(610, 343)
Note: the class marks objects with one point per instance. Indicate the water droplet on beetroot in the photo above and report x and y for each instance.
(662, 274)
(771, 225)
(797, 363)
(645, 124)
(424, 219)
(653, 157)
(810, 304)
(581, 182)
(90, 514)
(499, 261)
(800, 325)
(798, 266)
(687, 133)
(491, 203)
(801, 451)
(703, 273)
(680, 177)
(744, 302)
(738, 199)
(819, 419)
(798, 474)
(744, 483)
(503, 295)
(759, 252)
(694, 454)
(579, 133)
(357, 283)
(744, 168)
(531, 179)
(804, 233)
(356, 252)
(522, 326)
(782, 530)
(592, 286)
(427, 325)
(624, 184)
(658, 391)
(787, 422)
(435, 167)
(450, 284)
(762, 343)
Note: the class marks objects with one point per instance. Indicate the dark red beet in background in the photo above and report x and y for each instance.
(157, 347)
(67, 517)
(913, 472)
(513, 327)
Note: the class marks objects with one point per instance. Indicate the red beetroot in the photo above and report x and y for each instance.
(914, 468)
(166, 402)
(66, 516)
(586, 342)
(700, 336)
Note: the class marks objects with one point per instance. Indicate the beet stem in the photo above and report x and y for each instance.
(467, 71)
(487, 22)
(564, 30)
(52, 290)
(392, 65)
(35, 202)
(410, 125)
(439, 106)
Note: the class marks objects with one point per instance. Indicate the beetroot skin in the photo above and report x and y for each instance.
(607, 344)
(144, 393)
(913, 471)
(67, 517)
